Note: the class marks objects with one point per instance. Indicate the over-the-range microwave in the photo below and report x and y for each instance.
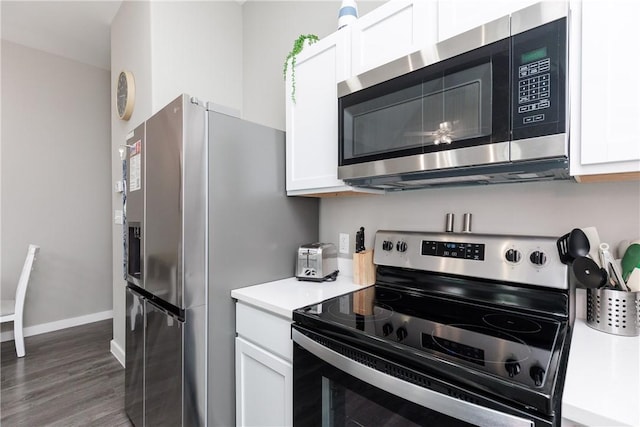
(487, 106)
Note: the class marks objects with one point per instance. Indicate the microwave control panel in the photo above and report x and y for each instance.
(539, 58)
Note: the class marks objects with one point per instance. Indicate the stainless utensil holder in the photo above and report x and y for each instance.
(614, 312)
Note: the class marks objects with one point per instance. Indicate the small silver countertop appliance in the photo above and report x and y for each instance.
(317, 262)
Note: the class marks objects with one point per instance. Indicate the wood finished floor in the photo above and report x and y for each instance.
(68, 378)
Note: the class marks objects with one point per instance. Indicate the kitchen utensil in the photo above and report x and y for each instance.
(634, 280)
(608, 262)
(360, 240)
(573, 245)
(587, 273)
(624, 245)
(594, 242)
(630, 260)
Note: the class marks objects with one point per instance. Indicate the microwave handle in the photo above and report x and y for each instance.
(447, 405)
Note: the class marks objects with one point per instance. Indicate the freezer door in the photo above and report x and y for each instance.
(163, 370)
(134, 370)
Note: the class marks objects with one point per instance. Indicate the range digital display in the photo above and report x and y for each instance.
(472, 251)
(456, 349)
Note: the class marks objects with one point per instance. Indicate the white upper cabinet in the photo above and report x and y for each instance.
(312, 120)
(606, 127)
(395, 29)
(458, 16)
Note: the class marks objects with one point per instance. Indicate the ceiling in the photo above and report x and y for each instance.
(78, 30)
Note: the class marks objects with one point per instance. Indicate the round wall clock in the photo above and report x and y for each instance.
(126, 94)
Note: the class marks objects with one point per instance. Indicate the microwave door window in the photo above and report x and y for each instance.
(458, 106)
(433, 101)
(386, 124)
(437, 112)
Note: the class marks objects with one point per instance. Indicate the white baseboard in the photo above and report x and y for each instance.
(43, 328)
(117, 352)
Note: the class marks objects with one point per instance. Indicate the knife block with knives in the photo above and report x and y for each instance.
(364, 271)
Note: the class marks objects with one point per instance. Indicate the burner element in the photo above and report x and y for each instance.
(512, 323)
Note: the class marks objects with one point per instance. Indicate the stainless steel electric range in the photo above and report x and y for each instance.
(459, 329)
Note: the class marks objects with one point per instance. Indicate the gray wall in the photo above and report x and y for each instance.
(269, 30)
(130, 50)
(543, 208)
(55, 183)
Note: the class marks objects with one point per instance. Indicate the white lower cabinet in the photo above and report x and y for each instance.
(264, 368)
(264, 384)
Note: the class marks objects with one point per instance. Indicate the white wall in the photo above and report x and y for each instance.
(55, 183)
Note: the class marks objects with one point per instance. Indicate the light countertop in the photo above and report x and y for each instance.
(283, 296)
(602, 387)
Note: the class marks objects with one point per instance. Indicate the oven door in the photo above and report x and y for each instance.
(332, 389)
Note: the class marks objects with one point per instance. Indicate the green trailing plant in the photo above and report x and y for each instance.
(298, 45)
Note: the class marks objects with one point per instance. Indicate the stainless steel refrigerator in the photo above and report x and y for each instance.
(206, 212)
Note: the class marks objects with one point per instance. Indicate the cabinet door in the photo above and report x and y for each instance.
(458, 16)
(609, 110)
(393, 30)
(264, 387)
(312, 120)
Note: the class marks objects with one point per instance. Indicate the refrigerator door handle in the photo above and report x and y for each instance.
(137, 307)
(169, 313)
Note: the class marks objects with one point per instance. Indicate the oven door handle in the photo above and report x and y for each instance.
(447, 405)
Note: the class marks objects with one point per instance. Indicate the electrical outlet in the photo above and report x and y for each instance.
(344, 243)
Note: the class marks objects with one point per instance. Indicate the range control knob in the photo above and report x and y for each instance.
(513, 255)
(401, 246)
(387, 328)
(387, 245)
(538, 258)
(513, 367)
(401, 333)
(537, 374)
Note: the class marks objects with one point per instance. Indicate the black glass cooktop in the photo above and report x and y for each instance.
(488, 339)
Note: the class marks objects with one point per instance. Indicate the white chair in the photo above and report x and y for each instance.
(12, 310)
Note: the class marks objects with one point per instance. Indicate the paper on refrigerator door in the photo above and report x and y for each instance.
(134, 173)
